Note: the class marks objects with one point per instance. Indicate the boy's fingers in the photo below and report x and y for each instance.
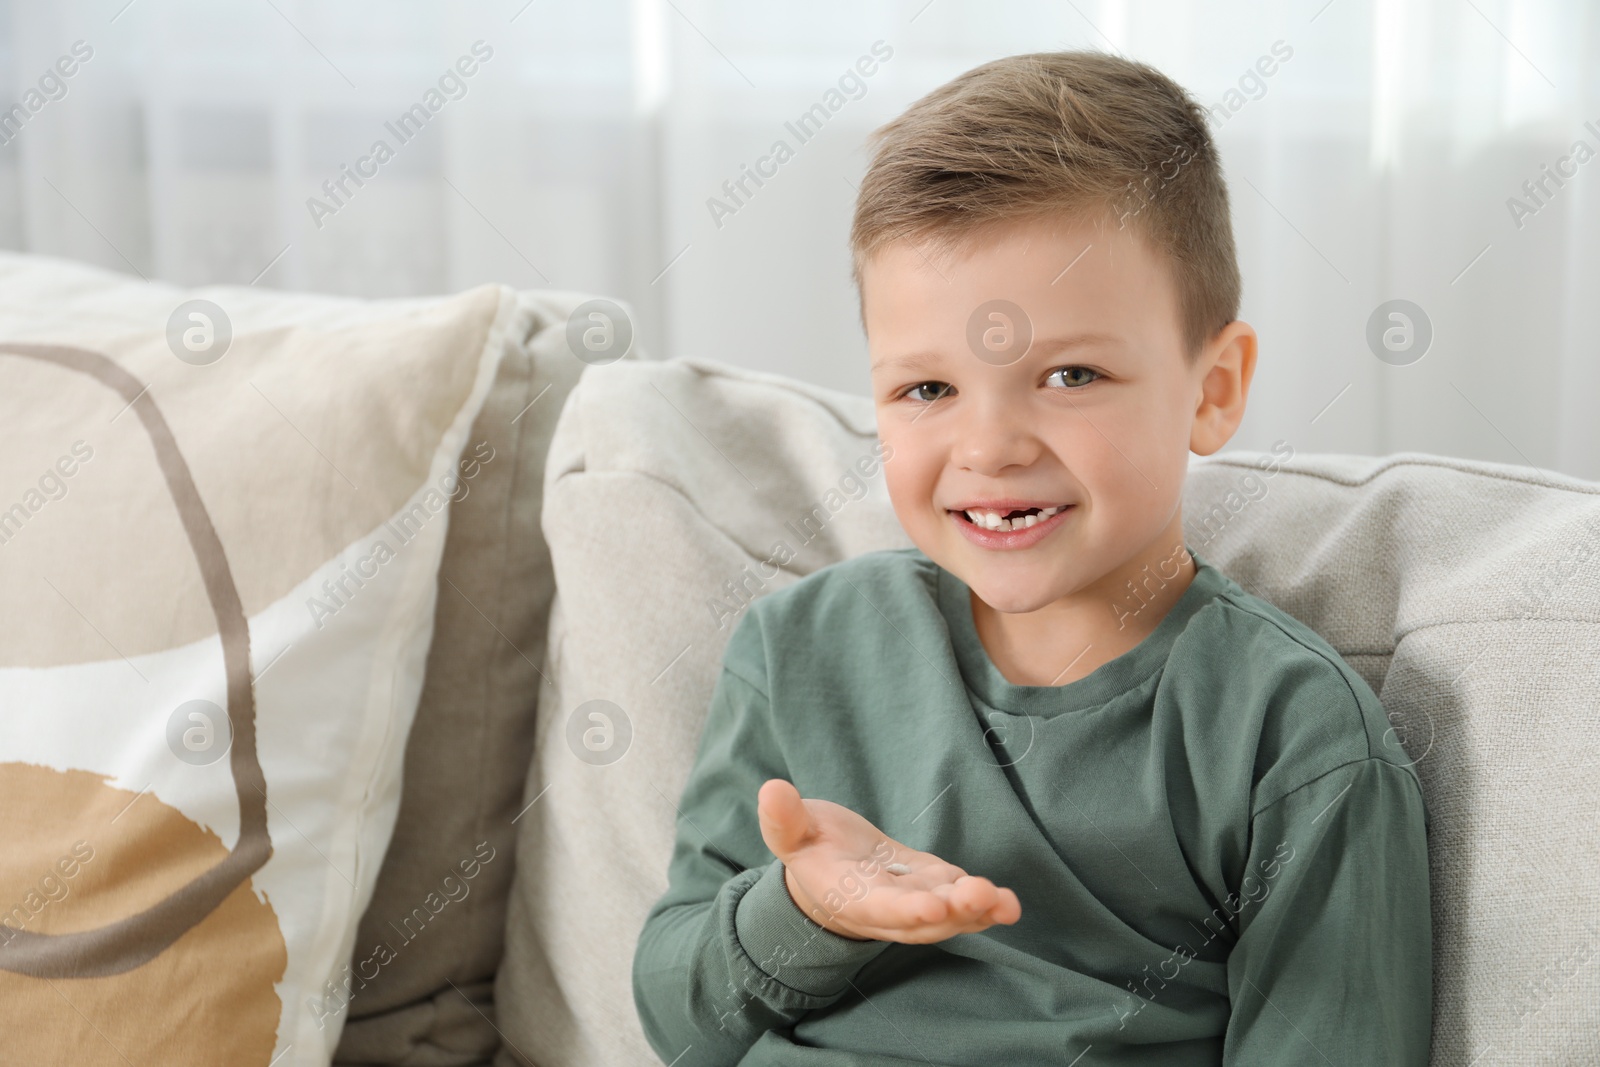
(1008, 910)
(901, 922)
(973, 895)
(960, 886)
(785, 822)
(910, 909)
(974, 905)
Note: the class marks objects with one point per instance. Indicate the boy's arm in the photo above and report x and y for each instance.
(1334, 961)
(725, 954)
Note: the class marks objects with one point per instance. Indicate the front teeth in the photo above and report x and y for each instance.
(992, 520)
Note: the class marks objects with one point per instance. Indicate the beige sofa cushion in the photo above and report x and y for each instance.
(222, 514)
(1465, 593)
(467, 756)
(703, 472)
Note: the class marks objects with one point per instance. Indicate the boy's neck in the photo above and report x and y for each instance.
(1066, 640)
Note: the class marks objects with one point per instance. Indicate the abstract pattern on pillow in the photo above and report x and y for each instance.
(216, 597)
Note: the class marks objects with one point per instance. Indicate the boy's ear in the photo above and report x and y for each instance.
(1226, 366)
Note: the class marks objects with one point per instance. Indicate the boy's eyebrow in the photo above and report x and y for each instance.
(1047, 347)
(913, 361)
(1053, 345)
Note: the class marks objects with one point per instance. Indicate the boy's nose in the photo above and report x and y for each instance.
(994, 436)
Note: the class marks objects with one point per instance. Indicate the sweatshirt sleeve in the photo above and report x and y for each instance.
(725, 955)
(1334, 962)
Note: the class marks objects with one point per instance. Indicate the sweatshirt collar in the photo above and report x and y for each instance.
(1105, 682)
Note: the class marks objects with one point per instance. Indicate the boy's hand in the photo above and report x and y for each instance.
(837, 869)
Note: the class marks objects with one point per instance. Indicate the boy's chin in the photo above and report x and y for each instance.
(1011, 582)
(1013, 593)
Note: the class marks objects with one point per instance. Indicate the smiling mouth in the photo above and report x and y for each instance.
(1016, 519)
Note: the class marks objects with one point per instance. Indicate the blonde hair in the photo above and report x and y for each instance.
(1080, 134)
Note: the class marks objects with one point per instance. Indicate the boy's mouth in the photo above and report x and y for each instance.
(1007, 519)
(1010, 525)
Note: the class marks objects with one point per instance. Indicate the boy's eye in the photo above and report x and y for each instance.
(927, 391)
(1072, 377)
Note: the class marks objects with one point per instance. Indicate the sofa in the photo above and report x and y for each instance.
(517, 691)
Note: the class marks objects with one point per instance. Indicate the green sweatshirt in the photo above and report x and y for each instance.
(1219, 847)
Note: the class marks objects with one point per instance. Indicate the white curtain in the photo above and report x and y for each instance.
(1383, 157)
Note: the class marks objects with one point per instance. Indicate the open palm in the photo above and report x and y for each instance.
(852, 878)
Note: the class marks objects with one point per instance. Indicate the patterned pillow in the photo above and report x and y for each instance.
(221, 519)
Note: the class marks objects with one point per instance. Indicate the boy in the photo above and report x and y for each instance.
(1077, 797)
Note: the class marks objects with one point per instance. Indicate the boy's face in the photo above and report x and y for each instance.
(1095, 416)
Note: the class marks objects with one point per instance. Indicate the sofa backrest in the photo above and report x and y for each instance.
(1466, 593)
